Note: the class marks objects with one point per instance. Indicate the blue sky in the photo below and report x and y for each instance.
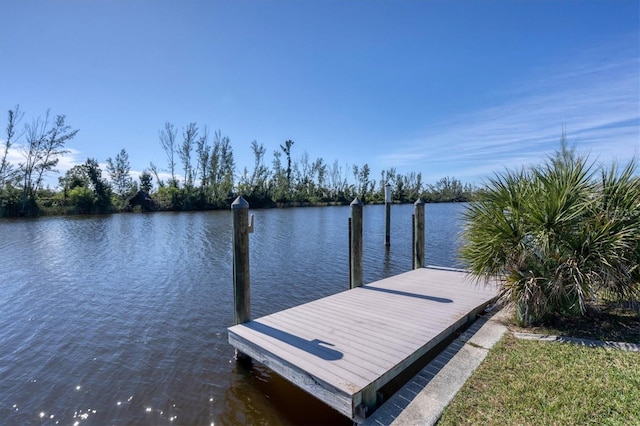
(444, 88)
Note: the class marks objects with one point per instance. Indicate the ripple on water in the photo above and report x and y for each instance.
(122, 319)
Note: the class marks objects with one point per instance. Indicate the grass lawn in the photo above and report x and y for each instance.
(545, 383)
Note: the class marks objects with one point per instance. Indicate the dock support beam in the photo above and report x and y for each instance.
(241, 277)
(387, 214)
(418, 235)
(355, 239)
(371, 400)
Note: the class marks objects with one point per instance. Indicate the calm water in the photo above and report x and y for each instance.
(122, 319)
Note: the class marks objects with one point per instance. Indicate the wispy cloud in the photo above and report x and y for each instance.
(598, 104)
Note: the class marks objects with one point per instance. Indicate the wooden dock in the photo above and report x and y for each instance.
(343, 348)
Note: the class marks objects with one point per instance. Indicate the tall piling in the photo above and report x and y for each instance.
(241, 275)
(355, 239)
(418, 234)
(387, 215)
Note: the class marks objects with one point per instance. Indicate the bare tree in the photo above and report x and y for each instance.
(260, 171)
(154, 169)
(227, 166)
(286, 148)
(319, 169)
(335, 180)
(203, 153)
(214, 164)
(189, 136)
(168, 142)
(304, 177)
(279, 183)
(7, 173)
(42, 151)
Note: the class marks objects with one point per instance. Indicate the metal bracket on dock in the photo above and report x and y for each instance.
(371, 399)
(250, 227)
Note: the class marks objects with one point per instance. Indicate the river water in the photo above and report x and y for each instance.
(122, 319)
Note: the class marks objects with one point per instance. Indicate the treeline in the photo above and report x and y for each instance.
(200, 173)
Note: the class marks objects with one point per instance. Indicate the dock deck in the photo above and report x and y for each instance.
(343, 348)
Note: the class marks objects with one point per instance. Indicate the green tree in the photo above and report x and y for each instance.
(74, 177)
(84, 189)
(286, 148)
(222, 170)
(413, 185)
(119, 173)
(170, 198)
(279, 179)
(10, 201)
(363, 182)
(319, 171)
(447, 189)
(100, 187)
(555, 238)
(399, 188)
(258, 184)
(146, 181)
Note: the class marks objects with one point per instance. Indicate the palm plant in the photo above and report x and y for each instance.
(555, 238)
(617, 221)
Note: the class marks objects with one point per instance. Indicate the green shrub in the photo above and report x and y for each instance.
(81, 200)
(555, 237)
(10, 201)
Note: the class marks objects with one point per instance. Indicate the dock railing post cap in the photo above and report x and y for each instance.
(418, 202)
(240, 203)
(356, 202)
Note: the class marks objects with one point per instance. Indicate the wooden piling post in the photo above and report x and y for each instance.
(418, 235)
(355, 238)
(387, 215)
(413, 241)
(241, 277)
(350, 259)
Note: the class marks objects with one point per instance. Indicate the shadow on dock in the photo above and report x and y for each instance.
(314, 347)
(408, 294)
